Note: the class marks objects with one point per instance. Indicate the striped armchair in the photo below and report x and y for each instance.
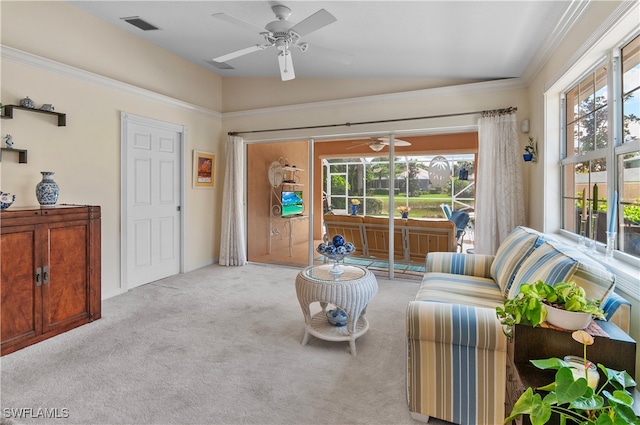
(456, 348)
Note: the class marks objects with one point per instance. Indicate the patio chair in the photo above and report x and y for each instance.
(446, 209)
(461, 220)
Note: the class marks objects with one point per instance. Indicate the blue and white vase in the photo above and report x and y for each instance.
(354, 209)
(47, 190)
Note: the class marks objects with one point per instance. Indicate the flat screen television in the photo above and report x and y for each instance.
(291, 201)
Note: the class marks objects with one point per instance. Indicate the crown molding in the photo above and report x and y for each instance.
(49, 65)
(569, 18)
(620, 15)
(462, 89)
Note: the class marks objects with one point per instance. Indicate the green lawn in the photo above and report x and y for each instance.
(427, 205)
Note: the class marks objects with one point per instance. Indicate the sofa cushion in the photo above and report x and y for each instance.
(597, 281)
(478, 265)
(377, 237)
(510, 255)
(546, 263)
(460, 289)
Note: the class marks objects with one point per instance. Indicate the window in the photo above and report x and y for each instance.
(594, 133)
(367, 180)
(585, 164)
(628, 154)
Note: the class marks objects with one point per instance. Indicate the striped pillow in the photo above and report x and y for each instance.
(598, 282)
(512, 251)
(545, 263)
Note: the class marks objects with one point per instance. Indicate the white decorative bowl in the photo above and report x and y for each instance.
(569, 320)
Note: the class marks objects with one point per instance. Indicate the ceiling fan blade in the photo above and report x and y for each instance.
(240, 52)
(396, 142)
(358, 144)
(286, 66)
(239, 22)
(314, 22)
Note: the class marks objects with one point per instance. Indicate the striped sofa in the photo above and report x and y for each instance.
(457, 351)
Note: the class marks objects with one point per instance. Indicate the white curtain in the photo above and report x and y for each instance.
(232, 241)
(499, 198)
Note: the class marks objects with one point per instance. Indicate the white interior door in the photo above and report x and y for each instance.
(152, 239)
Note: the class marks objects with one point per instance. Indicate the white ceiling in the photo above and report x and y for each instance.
(473, 40)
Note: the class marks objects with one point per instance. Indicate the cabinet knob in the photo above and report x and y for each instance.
(45, 275)
(38, 276)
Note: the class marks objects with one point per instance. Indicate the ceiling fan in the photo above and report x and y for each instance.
(282, 34)
(378, 143)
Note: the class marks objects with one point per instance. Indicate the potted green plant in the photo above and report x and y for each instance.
(532, 304)
(572, 398)
(530, 154)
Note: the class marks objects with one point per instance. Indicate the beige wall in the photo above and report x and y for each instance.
(558, 72)
(58, 31)
(86, 153)
(241, 94)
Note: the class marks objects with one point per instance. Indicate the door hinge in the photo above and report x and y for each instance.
(178, 208)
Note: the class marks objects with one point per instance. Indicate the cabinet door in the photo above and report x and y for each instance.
(21, 317)
(65, 288)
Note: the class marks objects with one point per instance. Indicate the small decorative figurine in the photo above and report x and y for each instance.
(47, 107)
(9, 141)
(27, 103)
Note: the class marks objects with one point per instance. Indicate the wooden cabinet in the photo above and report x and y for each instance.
(50, 272)
(612, 347)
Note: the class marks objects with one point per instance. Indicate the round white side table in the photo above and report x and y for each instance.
(351, 293)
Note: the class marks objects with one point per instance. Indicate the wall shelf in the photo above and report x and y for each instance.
(8, 113)
(22, 154)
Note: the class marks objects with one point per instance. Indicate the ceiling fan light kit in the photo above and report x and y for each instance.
(378, 143)
(376, 146)
(286, 66)
(281, 34)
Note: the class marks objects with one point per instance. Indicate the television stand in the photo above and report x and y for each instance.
(284, 227)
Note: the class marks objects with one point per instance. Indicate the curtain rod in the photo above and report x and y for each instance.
(509, 110)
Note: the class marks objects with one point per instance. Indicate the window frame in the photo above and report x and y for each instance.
(616, 146)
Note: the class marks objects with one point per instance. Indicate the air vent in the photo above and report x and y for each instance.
(219, 65)
(140, 23)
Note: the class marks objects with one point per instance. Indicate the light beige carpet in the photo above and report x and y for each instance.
(220, 345)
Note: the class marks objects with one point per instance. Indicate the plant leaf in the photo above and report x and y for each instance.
(568, 390)
(541, 414)
(550, 398)
(619, 379)
(591, 402)
(625, 414)
(525, 404)
(604, 420)
(548, 387)
(551, 363)
(619, 397)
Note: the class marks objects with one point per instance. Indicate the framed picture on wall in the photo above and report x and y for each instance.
(203, 169)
